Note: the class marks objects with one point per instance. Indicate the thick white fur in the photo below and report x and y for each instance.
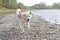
(23, 18)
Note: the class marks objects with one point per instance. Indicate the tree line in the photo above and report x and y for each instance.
(44, 6)
(11, 4)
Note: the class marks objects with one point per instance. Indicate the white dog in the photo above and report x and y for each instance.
(24, 17)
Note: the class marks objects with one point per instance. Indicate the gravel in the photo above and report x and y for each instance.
(40, 29)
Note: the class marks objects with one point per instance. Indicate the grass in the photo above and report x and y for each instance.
(5, 11)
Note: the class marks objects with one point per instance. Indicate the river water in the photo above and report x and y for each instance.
(49, 15)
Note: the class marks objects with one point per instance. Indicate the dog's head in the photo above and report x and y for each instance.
(30, 15)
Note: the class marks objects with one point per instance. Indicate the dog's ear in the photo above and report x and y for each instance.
(30, 13)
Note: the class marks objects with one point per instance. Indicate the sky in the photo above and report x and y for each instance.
(32, 2)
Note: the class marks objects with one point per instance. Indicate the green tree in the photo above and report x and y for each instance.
(56, 6)
(40, 6)
(20, 5)
(9, 3)
(12, 4)
(5, 3)
(0, 3)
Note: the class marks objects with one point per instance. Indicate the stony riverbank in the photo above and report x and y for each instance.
(40, 29)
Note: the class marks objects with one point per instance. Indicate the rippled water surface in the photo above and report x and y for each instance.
(50, 15)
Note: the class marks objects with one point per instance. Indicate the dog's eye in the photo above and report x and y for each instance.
(29, 16)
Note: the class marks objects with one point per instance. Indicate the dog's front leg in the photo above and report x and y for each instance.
(22, 26)
(28, 24)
